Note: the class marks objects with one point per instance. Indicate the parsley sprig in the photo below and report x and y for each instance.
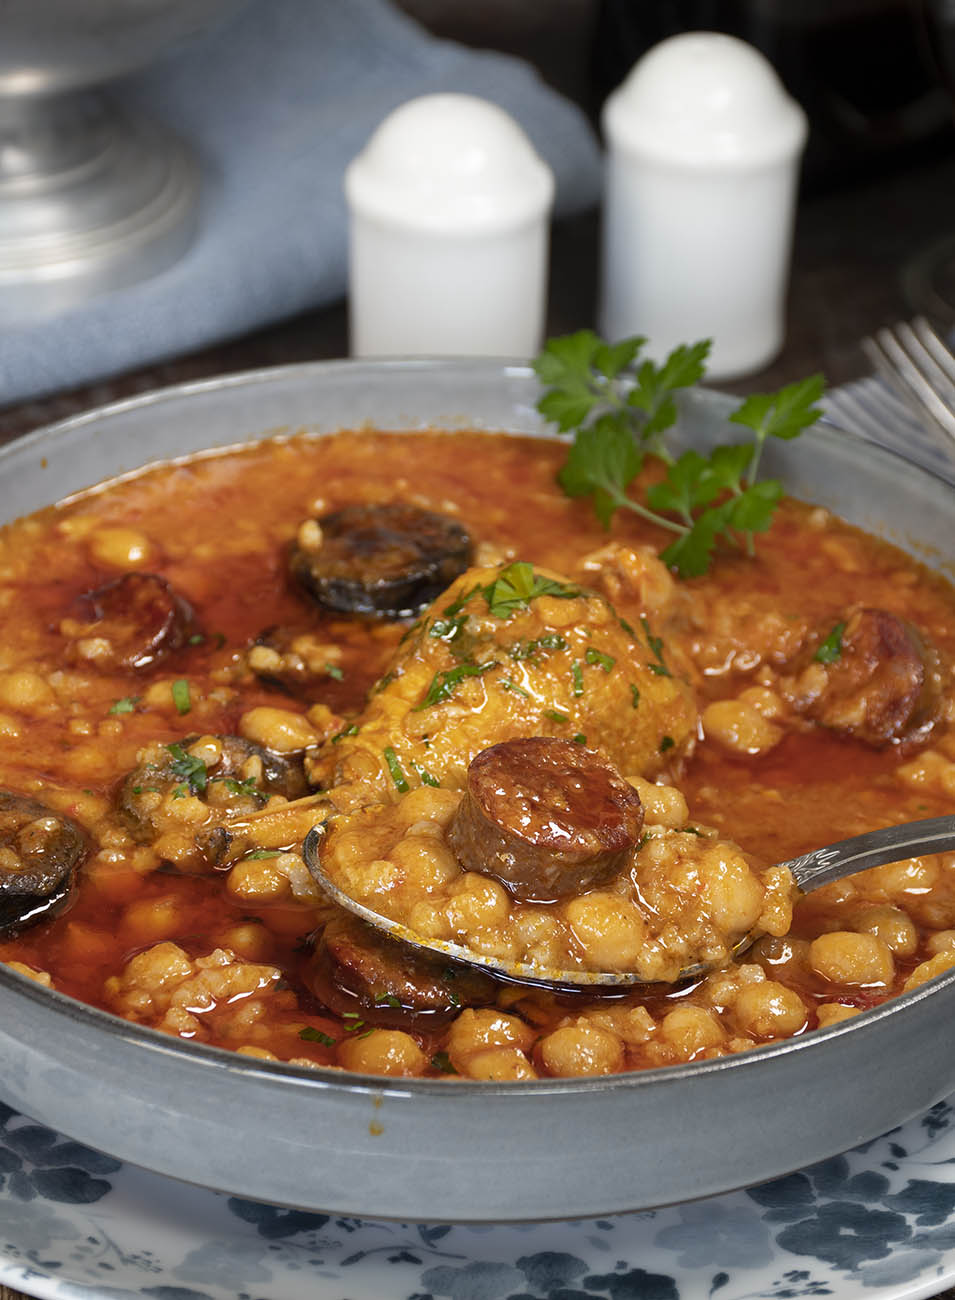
(620, 409)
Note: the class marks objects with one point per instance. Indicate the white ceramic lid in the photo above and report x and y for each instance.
(703, 98)
(452, 164)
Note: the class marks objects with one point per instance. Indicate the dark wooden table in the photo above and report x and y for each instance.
(849, 248)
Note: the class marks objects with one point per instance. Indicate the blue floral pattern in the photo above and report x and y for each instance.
(77, 1224)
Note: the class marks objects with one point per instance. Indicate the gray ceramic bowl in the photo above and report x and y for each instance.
(437, 1150)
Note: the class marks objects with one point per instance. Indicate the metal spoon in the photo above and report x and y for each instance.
(810, 871)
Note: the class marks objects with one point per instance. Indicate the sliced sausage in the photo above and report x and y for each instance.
(39, 852)
(362, 974)
(132, 622)
(871, 676)
(546, 817)
(389, 561)
(241, 777)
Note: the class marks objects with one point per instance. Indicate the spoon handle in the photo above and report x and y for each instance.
(873, 849)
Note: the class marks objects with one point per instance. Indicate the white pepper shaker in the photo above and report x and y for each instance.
(449, 206)
(703, 146)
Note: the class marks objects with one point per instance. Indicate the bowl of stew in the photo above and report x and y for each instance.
(177, 707)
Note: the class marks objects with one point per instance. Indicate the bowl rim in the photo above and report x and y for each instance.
(320, 1079)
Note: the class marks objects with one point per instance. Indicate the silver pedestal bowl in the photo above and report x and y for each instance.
(90, 200)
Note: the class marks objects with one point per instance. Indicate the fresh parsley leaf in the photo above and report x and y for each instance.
(620, 408)
(345, 731)
(601, 660)
(517, 585)
(555, 715)
(257, 854)
(424, 776)
(508, 685)
(831, 648)
(441, 1061)
(334, 671)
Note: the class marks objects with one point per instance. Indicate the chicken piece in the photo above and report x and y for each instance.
(510, 652)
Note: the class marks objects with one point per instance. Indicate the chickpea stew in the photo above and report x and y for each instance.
(516, 730)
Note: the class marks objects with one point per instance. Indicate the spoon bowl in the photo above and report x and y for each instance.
(809, 871)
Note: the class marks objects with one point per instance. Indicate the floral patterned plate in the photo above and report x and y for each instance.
(878, 1222)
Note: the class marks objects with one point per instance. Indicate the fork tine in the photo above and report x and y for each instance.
(900, 369)
(940, 351)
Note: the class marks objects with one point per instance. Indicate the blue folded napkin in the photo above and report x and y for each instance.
(276, 104)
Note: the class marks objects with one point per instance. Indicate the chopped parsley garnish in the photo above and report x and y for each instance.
(423, 775)
(394, 767)
(452, 610)
(606, 662)
(521, 650)
(386, 1000)
(517, 585)
(508, 685)
(247, 786)
(180, 695)
(257, 854)
(333, 670)
(345, 731)
(444, 684)
(312, 1035)
(441, 1061)
(578, 675)
(126, 705)
(831, 648)
(447, 629)
(634, 696)
(656, 649)
(379, 686)
(580, 738)
(191, 769)
(666, 742)
(555, 715)
(620, 408)
(196, 639)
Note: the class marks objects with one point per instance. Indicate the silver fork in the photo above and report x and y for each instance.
(919, 367)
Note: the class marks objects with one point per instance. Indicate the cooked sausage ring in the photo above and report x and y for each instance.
(39, 852)
(546, 817)
(389, 561)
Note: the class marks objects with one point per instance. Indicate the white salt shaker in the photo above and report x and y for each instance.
(449, 206)
(703, 146)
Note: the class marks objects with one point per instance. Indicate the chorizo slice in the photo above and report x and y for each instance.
(387, 561)
(871, 676)
(223, 771)
(361, 974)
(39, 852)
(132, 622)
(546, 817)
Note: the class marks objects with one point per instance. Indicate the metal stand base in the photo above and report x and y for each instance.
(89, 202)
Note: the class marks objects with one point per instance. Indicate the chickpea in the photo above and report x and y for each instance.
(663, 805)
(477, 1030)
(739, 727)
(769, 1010)
(937, 965)
(944, 941)
(844, 957)
(733, 894)
(249, 939)
(690, 1029)
(120, 548)
(477, 902)
(27, 692)
(426, 862)
(499, 1064)
(147, 920)
(833, 1013)
(580, 1049)
(39, 976)
(608, 927)
(384, 1051)
(280, 730)
(890, 924)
